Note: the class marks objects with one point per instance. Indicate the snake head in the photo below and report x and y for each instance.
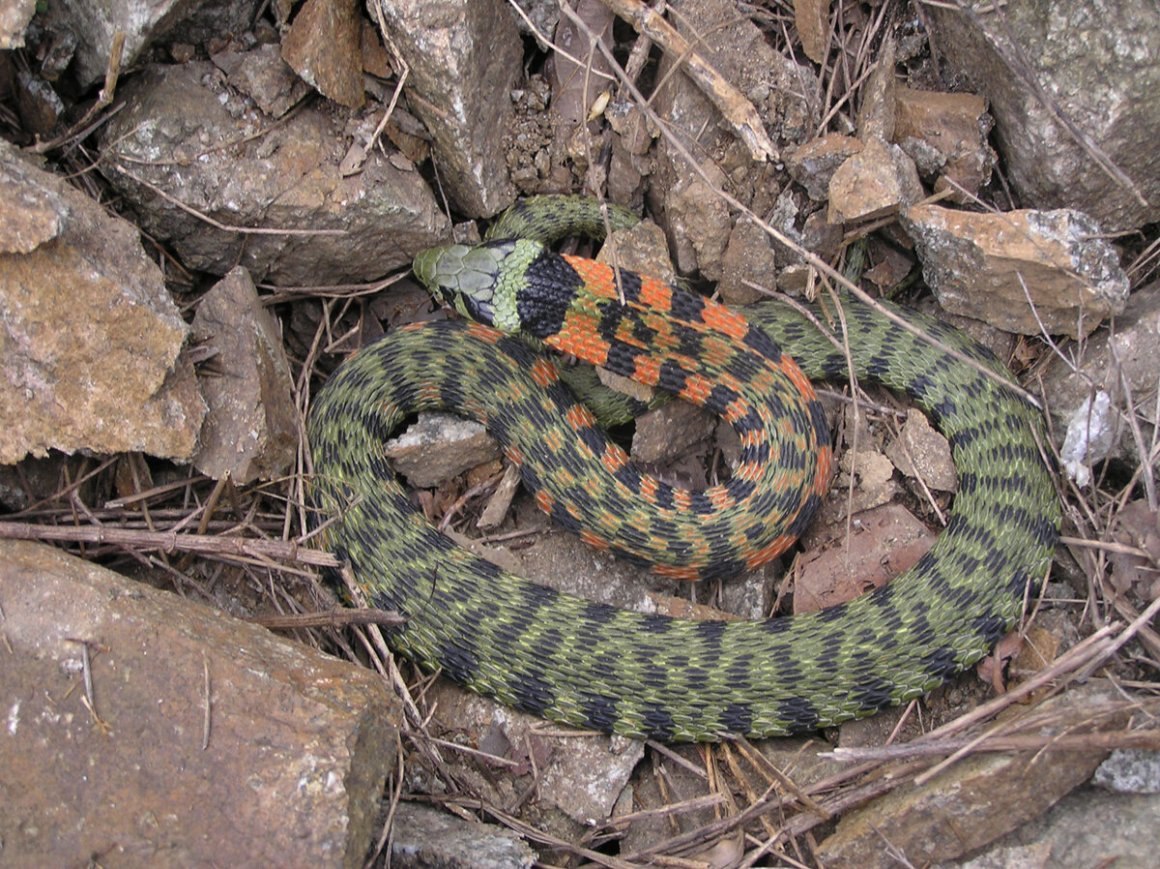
(479, 281)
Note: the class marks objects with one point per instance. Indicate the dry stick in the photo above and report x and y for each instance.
(732, 104)
(169, 542)
(1094, 655)
(1143, 739)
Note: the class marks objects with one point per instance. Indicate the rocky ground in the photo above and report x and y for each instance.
(207, 206)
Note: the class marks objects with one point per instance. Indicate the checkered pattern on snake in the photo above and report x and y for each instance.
(591, 665)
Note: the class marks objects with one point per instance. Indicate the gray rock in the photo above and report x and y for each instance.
(1098, 65)
(464, 57)
(176, 137)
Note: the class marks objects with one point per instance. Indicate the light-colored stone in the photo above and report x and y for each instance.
(920, 451)
(877, 181)
(14, 17)
(440, 446)
(89, 337)
(813, 163)
(144, 23)
(1088, 391)
(423, 837)
(979, 264)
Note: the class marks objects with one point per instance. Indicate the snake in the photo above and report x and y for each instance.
(646, 675)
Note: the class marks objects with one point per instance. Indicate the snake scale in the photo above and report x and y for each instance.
(591, 665)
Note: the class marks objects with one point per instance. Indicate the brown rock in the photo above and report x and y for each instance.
(883, 543)
(251, 429)
(205, 740)
(354, 227)
(263, 76)
(89, 339)
(324, 47)
(978, 266)
(877, 181)
(974, 802)
(945, 135)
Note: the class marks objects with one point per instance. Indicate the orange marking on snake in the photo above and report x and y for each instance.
(592, 540)
(648, 370)
(515, 456)
(768, 552)
(598, 277)
(544, 501)
(482, 333)
(686, 574)
(724, 320)
(614, 458)
(579, 417)
(648, 489)
(655, 293)
(720, 498)
(697, 389)
(544, 373)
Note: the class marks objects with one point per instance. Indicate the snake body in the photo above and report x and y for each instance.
(591, 665)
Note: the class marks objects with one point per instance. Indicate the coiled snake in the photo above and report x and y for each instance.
(594, 666)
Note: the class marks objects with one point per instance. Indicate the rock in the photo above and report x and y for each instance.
(89, 337)
(251, 430)
(974, 262)
(1130, 771)
(171, 136)
(438, 447)
(144, 24)
(205, 739)
(884, 542)
(1096, 64)
(946, 137)
(920, 451)
(813, 163)
(423, 837)
(749, 258)
(972, 803)
(323, 45)
(1086, 828)
(14, 18)
(783, 93)
(464, 57)
(669, 430)
(1086, 393)
(264, 77)
(875, 182)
